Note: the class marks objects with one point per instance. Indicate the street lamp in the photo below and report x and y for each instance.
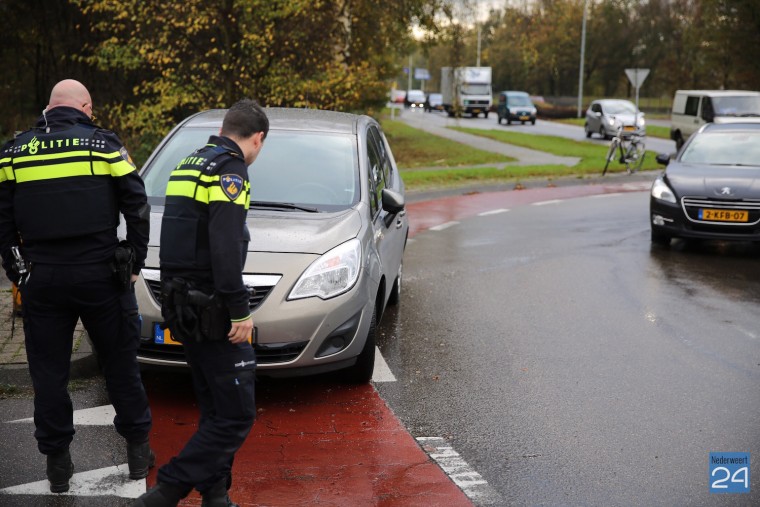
(583, 57)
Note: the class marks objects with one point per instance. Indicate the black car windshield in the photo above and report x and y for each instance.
(311, 169)
(724, 148)
(737, 106)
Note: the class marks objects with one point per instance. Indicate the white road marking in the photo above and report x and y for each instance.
(493, 212)
(443, 226)
(95, 416)
(109, 481)
(464, 476)
(382, 371)
(614, 194)
(544, 203)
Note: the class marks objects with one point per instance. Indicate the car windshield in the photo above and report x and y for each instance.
(737, 106)
(619, 107)
(476, 89)
(416, 96)
(310, 169)
(724, 148)
(435, 97)
(519, 100)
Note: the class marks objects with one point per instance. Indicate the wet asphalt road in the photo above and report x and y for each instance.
(571, 363)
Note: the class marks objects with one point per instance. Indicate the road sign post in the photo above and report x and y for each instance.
(637, 77)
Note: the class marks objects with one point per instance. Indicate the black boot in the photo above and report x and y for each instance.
(162, 495)
(140, 459)
(59, 471)
(217, 496)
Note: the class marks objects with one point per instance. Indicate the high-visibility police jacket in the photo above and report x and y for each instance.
(204, 236)
(62, 186)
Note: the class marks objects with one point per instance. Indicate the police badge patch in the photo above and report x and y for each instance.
(232, 186)
(125, 155)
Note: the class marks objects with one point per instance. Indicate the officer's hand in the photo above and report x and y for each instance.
(241, 331)
(134, 278)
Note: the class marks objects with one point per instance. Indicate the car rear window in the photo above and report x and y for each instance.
(306, 168)
(724, 148)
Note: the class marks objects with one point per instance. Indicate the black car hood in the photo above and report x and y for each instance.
(710, 181)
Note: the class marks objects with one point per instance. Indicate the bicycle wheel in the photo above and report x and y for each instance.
(634, 158)
(611, 154)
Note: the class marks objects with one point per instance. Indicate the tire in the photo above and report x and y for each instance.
(588, 132)
(395, 297)
(361, 372)
(498, 120)
(533, 121)
(679, 141)
(602, 132)
(485, 115)
(610, 155)
(509, 120)
(659, 238)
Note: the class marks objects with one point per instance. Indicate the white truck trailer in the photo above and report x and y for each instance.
(466, 90)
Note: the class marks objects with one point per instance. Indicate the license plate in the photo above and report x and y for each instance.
(476, 111)
(524, 118)
(163, 336)
(723, 215)
(629, 128)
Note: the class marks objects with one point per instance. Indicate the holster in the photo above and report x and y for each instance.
(122, 264)
(191, 313)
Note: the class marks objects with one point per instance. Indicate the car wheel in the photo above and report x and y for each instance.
(498, 120)
(509, 120)
(588, 132)
(679, 141)
(533, 121)
(602, 132)
(659, 238)
(485, 115)
(395, 297)
(361, 372)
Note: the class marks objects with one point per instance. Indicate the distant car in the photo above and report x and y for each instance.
(328, 231)
(434, 102)
(415, 99)
(606, 116)
(515, 106)
(710, 189)
(398, 96)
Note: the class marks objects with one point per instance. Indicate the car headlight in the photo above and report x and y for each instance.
(662, 191)
(611, 121)
(640, 122)
(332, 274)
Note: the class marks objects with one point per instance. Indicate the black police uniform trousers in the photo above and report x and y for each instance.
(223, 379)
(54, 298)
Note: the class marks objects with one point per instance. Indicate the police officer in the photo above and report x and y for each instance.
(204, 240)
(62, 186)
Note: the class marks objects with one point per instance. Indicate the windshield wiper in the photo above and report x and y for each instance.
(283, 205)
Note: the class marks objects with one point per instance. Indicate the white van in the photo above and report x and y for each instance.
(694, 108)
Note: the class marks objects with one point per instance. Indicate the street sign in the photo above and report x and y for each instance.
(637, 77)
(406, 70)
(421, 74)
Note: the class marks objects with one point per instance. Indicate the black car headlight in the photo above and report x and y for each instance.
(661, 191)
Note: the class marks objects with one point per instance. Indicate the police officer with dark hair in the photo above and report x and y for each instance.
(62, 186)
(204, 241)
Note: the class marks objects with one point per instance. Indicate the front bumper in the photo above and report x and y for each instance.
(672, 220)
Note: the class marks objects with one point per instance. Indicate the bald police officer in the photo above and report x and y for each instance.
(63, 184)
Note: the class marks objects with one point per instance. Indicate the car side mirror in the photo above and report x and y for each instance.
(664, 158)
(393, 202)
(598, 114)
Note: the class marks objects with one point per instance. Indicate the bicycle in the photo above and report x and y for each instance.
(631, 151)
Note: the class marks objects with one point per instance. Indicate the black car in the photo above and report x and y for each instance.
(711, 190)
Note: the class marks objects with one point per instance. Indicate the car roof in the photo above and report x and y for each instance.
(720, 93)
(284, 118)
(733, 125)
(514, 92)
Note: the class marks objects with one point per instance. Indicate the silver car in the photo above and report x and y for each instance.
(606, 116)
(328, 231)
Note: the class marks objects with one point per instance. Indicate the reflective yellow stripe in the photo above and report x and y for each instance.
(6, 170)
(181, 188)
(50, 172)
(203, 194)
(51, 156)
(217, 195)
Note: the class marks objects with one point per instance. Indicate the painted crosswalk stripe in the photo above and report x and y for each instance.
(109, 481)
(382, 372)
(469, 481)
(95, 416)
(444, 226)
(493, 212)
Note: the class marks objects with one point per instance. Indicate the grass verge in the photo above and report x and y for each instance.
(652, 130)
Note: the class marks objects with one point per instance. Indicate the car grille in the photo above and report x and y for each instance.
(692, 205)
(255, 299)
(266, 353)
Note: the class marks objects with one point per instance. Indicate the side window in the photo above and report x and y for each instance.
(692, 106)
(384, 178)
(374, 170)
(708, 114)
(597, 108)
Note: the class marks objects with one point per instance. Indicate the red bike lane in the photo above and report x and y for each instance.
(323, 443)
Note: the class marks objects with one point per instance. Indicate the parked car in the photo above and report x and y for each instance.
(710, 189)
(515, 106)
(694, 108)
(434, 102)
(415, 99)
(605, 116)
(328, 232)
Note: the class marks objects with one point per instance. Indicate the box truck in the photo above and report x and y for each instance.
(466, 90)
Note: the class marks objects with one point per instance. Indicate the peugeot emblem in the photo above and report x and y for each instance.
(725, 191)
